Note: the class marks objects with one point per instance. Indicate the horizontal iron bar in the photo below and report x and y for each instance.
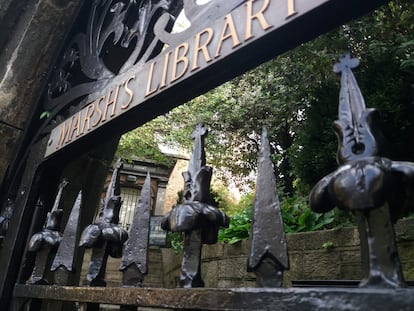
(293, 299)
(332, 283)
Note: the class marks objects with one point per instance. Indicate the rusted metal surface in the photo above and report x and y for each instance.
(134, 263)
(268, 256)
(63, 262)
(373, 187)
(196, 217)
(104, 236)
(47, 241)
(295, 299)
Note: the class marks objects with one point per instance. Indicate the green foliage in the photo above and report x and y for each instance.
(222, 197)
(142, 143)
(239, 228)
(240, 221)
(297, 217)
(328, 245)
(175, 240)
(296, 97)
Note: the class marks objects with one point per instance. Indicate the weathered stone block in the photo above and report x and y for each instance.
(350, 271)
(322, 265)
(233, 267)
(315, 240)
(237, 249)
(350, 255)
(209, 272)
(296, 272)
(212, 251)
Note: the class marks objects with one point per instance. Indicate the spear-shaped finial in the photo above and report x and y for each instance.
(373, 187)
(65, 253)
(135, 257)
(268, 251)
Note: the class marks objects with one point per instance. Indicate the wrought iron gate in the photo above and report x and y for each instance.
(92, 92)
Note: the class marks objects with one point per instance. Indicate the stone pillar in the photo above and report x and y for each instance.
(31, 37)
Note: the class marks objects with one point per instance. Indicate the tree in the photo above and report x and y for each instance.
(296, 97)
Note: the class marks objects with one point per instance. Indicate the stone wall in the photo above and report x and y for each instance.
(225, 265)
(155, 277)
(30, 38)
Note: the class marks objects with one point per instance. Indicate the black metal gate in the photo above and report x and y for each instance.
(96, 90)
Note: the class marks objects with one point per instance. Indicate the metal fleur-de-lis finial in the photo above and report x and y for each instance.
(104, 236)
(195, 216)
(197, 177)
(46, 241)
(373, 187)
(354, 126)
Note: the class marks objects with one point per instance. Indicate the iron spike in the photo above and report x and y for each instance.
(268, 253)
(66, 250)
(135, 256)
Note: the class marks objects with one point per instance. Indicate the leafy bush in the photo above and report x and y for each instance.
(297, 217)
(175, 240)
(239, 227)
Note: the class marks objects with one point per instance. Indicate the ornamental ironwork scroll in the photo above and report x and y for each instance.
(373, 187)
(118, 35)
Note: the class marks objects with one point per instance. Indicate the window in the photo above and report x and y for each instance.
(130, 198)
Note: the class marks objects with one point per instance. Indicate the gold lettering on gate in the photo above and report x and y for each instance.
(228, 32)
(64, 132)
(258, 16)
(76, 125)
(110, 102)
(87, 119)
(148, 90)
(128, 91)
(291, 8)
(98, 111)
(165, 70)
(202, 47)
(180, 59)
